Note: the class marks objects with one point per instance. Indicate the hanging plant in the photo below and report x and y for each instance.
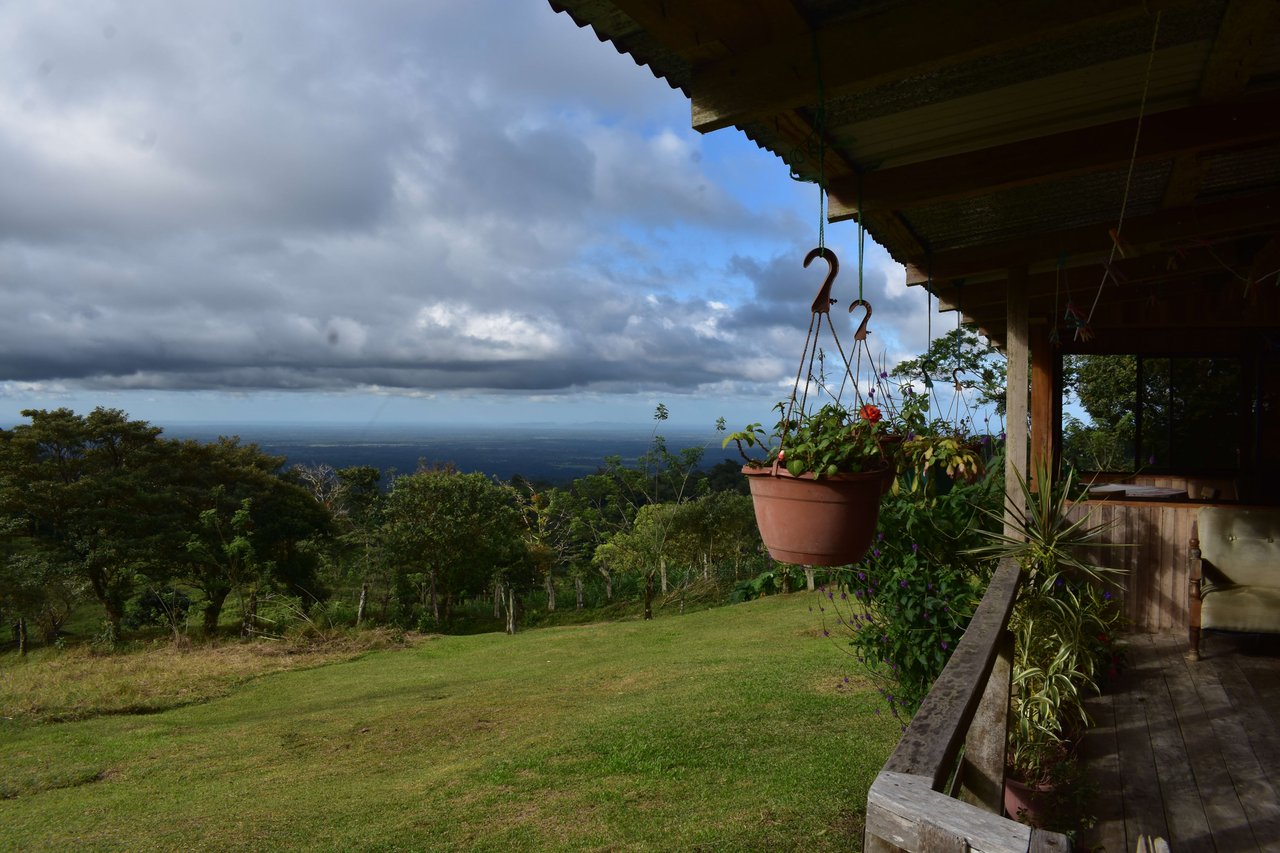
(818, 476)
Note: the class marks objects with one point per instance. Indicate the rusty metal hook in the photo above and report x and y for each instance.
(822, 302)
(955, 379)
(861, 334)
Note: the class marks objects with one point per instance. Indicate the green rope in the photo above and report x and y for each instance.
(862, 236)
(819, 128)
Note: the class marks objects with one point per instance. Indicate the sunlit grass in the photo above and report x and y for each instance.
(728, 729)
(54, 685)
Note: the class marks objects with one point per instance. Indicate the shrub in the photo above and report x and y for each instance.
(904, 607)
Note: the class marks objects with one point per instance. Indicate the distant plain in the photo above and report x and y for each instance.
(552, 453)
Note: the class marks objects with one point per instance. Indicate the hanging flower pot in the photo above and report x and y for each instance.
(817, 522)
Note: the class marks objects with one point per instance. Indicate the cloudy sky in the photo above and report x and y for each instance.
(389, 211)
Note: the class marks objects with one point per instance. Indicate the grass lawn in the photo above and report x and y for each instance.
(726, 729)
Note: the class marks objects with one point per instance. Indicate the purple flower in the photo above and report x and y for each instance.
(826, 633)
(902, 584)
(944, 645)
(915, 547)
(884, 375)
(875, 552)
(1107, 595)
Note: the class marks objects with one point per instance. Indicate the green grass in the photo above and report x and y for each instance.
(727, 729)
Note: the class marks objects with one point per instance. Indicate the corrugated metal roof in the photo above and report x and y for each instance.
(1093, 199)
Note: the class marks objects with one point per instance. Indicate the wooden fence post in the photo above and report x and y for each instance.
(982, 770)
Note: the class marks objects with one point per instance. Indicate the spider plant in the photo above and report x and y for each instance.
(1064, 623)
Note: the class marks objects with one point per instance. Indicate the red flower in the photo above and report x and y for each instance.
(870, 413)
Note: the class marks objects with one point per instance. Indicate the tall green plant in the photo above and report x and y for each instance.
(904, 607)
(1064, 622)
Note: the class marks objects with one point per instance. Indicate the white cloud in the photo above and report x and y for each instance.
(385, 199)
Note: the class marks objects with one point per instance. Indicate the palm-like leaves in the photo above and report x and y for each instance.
(1063, 621)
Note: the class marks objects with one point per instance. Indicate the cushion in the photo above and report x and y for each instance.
(1243, 545)
(1242, 608)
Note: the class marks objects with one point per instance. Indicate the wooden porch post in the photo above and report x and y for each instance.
(1017, 350)
(1042, 390)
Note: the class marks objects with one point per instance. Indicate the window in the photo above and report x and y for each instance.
(1127, 413)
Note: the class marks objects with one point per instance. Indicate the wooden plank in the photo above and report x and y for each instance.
(1225, 734)
(1202, 221)
(1101, 752)
(1042, 390)
(932, 741)
(1168, 555)
(1143, 809)
(899, 805)
(859, 52)
(1222, 808)
(1058, 156)
(1170, 750)
(982, 769)
(1017, 351)
(1253, 758)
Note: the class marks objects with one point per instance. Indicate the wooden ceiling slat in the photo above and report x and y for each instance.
(1210, 126)
(1159, 270)
(865, 51)
(1201, 221)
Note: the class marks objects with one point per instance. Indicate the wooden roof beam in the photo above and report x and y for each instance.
(1254, 213)
(1168, 134)
(861, 52)
(1137, 274)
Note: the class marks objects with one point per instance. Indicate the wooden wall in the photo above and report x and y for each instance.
(1155, 596)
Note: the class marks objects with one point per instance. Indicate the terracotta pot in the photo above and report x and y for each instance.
(1026, 803)
(826, 522)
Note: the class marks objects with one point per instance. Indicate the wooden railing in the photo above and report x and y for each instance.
(931, 796)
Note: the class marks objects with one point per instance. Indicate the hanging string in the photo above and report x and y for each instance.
(1083, 330)
(862, 236)
(819, 128)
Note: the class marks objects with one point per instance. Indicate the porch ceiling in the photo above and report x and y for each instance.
(981, 137)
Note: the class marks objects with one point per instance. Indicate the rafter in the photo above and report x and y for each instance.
(1253, 213)
(1137, 274)
(1108, 146)
(864, 51)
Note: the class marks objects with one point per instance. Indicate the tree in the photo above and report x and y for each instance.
(961, 355)
(89, 490)
(549, 535)
(643, 549)
(448, 534)
(245, 527)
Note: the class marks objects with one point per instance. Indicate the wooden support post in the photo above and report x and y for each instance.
(1017, 350)
(1042, 389)
(982, 770)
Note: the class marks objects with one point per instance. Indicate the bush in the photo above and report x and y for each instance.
(904, 607)
(164, 607)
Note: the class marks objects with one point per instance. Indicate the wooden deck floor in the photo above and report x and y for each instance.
(1189, 750)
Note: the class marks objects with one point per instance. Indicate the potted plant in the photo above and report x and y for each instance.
(817, 487)
(1064, 622)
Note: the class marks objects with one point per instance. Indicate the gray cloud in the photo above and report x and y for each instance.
(399, 195)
